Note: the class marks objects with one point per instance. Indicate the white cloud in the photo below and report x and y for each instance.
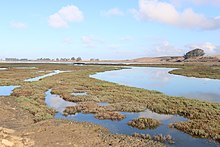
(113, 12)
(209, 48)
(18, 25)
(197, 2)
(164, 48)
(57, 21)
(167, 49)
(164, 12)
(64, 16)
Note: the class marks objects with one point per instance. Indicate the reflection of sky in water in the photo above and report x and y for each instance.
(159, 79)
(121, 127)
(44, 76)
(25, 67)
(103, 104)
(150, 114)
(3, 68)
(79, 94)
(56, 102)
(6, 90)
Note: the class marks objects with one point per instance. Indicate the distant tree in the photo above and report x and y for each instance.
(194, 53)
(79, 59)
(57, 59)
(92, 59)
(96, 59)
(73, 58)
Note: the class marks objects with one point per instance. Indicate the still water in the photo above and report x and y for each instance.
(159, 79)
(55, 72)
(120, 127)
(7, 90)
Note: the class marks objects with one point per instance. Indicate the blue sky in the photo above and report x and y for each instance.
(110, 29)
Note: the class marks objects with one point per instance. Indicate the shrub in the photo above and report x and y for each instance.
(194, 53)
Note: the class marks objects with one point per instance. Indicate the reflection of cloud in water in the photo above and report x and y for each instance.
(56, 102)
(150, 114)
(159, 77)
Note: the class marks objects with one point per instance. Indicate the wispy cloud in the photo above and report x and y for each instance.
(197, 2)
(91, 41)
(18, 25)
(164, 12)
(165, 48)
(112, 12)
(208, 47)
(64, 16)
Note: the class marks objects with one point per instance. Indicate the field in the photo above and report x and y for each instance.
(27, 113)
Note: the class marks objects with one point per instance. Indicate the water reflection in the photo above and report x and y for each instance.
(44, 76)
(159, 79)
(7, 90)
(3, 68)
(56, 102)
(25, 67)
(103, 104)
(120, 127)
(79, 94)
(150, 114)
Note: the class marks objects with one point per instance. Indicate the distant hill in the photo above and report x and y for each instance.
(158, 59)
(171, 59)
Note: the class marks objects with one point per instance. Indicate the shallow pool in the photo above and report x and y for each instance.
(159, 79)
(7, 90)
(120, 127)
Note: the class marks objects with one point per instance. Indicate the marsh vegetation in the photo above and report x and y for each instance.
(203, 116)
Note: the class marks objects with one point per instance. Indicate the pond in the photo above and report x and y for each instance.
(44, 76)
(7, 90)
(159, 79)
(120, 127)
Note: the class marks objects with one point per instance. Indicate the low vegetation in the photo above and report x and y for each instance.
(158, 138)
(144, 123)
(203, 116)
(109, 115)
(101, 112)
(199, 71)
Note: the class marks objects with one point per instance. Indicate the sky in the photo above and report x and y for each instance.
(112, 29)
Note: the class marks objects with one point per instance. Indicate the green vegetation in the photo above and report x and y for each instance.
(158, 138)
(194, 53)
(200, 71)
(203, 116)
(144, 123)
